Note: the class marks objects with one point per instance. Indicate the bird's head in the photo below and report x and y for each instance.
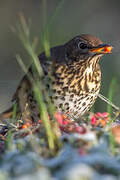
(84, 47)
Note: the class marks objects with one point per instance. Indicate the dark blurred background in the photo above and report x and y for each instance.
(70, 18)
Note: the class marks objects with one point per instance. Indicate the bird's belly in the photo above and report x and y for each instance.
(75, 106)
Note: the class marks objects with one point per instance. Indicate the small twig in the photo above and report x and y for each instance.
(22, 132)
(13, 125)
(108, 102)
(3, 124)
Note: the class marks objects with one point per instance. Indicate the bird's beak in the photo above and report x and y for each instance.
(101, 49)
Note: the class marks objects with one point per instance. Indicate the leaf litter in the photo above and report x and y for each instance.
(89, 151)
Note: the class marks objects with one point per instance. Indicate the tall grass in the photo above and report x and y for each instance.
(23, 32)
(110, 95)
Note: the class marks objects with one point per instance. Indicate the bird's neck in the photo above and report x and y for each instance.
(91, 75)
(85, 77)
(92, 67)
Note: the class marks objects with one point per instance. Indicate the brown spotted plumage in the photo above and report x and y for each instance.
(74, 74)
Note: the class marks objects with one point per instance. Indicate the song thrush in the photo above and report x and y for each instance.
(75, 76)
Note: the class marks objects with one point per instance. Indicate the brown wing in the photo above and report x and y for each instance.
(57, 54)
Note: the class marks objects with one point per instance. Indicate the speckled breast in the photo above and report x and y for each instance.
(75, 89)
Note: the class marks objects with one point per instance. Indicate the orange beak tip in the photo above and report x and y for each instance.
(108, 49)
(102, 50)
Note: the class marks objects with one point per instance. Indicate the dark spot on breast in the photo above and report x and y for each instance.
(75, 113)
(84, 109)
(56, 97)
(53, 82)
(59, 92)
(61, 78)
(67, 108)
(58, 74)
(79, 107)
(86, 86)
(91, 98)
(59, 83)
(60, 105)
(66, 104)
(90, 78)
(74, 91)
(72, 86)
(65, 89)
(69, 72)
(54, 90)
(81, 97)
(96, 81)
(84, 104)
(62, 98)
(77, 77)
(70, 80)
(78, 93)
(78, 72)
(72, 95)
(62, 69)
(88, 98)
(75, 101)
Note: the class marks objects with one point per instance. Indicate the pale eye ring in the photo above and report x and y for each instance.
(82, 45)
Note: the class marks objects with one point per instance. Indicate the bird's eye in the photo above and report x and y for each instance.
(82, 45)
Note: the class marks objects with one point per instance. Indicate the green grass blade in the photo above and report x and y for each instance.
(44, 115)
(110, 95)
(38, 86)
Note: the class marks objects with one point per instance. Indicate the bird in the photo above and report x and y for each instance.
(72, 77)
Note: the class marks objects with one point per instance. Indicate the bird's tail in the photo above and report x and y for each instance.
(6, 114)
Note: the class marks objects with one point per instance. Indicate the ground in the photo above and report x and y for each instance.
(80, 151)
